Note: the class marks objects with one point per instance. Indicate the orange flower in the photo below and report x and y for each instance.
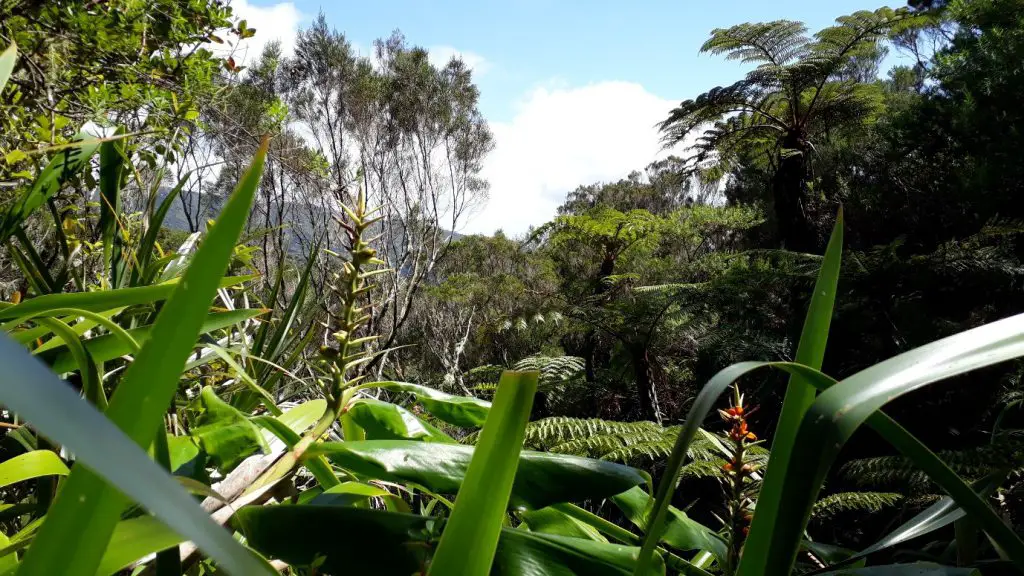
(727, 467)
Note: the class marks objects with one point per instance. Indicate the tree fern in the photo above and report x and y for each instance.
(800, 91)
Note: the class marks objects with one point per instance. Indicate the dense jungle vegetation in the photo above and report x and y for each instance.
(241, 337)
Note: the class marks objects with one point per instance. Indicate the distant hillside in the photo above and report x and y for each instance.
(295, 216)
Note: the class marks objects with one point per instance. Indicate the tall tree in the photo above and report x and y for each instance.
(801, 90)
(119, 62)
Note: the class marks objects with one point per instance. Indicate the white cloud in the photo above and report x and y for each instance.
(440, 55)
(272, 22)
(561, 138)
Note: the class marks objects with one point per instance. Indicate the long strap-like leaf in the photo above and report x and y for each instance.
(470, 538)
(82, 519)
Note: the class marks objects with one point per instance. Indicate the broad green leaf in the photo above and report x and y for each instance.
(522, 553)
(542, 479)
(387, 421)
(356, 494)
(186, 457)
(224, 434)
(31, 465)
(681, 532)
(7, 61)
(301, 417)
(351, 541)
(102, 300)
(464, 411)
(356, 542)
(918, 569)
(287, 428)
(64, 167)
(799, 395)
(134, 539)
(470, 538)
(87, 509)
(295, 420)
(552, 521)
(840, 410)
(109, 346)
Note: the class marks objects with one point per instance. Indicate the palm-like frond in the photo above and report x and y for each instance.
(854, 34)
(759, 99)
(777, 42)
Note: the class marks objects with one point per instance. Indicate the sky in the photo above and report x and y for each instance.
(571, 89)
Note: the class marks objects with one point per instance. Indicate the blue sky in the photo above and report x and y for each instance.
(571, 88)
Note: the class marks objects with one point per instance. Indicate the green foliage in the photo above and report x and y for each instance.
(332, 401)
(84, 63)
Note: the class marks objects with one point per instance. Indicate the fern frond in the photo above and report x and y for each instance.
(553, 368)
(775, 42)
(560, 429)
(1006, 452)
(866, 502)
(637, 443)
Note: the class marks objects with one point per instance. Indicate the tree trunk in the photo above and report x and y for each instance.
(789, 194)
(646, 394)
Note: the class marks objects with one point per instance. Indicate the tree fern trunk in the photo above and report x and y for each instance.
(647, 396)
(789, 196)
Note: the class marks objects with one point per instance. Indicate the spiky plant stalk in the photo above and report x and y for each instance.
(348, 286)
(738, 482)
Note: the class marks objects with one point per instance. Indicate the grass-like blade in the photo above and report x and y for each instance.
(92, 385)
(140, 272)
(30, 389)
(799, 395)
(886, 427)
(134, 539)
(110, 346)
(918, 569)
(87, 509)
(102, 300)
(938, 515)
(112, 170)
(274, 346)
(470, 538)
(840, 410)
